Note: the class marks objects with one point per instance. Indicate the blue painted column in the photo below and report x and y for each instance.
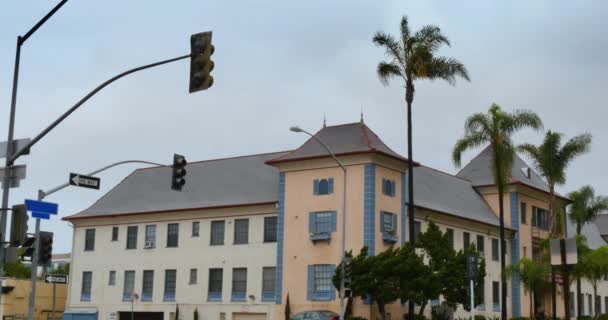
(403, 208)
(369, 208)
(515, 280)
(280, 238)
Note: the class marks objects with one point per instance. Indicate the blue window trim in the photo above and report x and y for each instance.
(238, 296)
(325, 295)
(85, 297)
(280, 235)
(481, 307)
(369, 207)
(214, 296)
(403, 208)
(268, 296)
(386, 235)
(515, 256)
(146, 297)
(325, 235)
(496, 307)
(317, 187)
(168, 296)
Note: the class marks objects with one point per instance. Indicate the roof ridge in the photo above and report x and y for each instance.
(365, 137)
(446, 173)
(221, 159)
(475, 157)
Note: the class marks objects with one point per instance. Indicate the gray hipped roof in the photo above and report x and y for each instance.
(602, 223)
(590, 230)
(479, 172)
(446, 193)
(351, 138)
(214, 183)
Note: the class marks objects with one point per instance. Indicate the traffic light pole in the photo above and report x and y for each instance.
(11, 129)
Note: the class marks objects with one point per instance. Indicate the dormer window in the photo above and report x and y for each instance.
(388, 187)
(323, 186)
(526, 172)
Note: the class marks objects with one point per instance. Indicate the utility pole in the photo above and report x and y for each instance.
(6, 184)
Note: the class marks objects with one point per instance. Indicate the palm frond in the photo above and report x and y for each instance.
(478, 122)
(469, 141)
(431, 37)
(388, 70)
(391, 45)
(520, 119)
(574, 147)
(405, 31)
(530, 150)
(447, 69)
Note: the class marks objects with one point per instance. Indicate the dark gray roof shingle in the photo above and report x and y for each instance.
(213, 183)
(590, 230)
(341, 139)
(446, 193)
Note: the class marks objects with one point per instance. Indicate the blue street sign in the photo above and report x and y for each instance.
(41, 215)
(41, 206)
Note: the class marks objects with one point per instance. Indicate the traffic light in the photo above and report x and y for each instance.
(19, 219)
(179, 172)
(46, 248)
(348, 270)
(201, 64)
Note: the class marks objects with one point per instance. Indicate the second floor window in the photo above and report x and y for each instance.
(323, 186)
(112, 278)
(129, 285)
(217, 232)
(322, 222)
(539, 218)
(270, 229)
(239, 284)
(495, 249)
(215, 284)
(523, 210)
(170, 282)
(241, 231)
(466, 240)
(132, 237)
(148, 285)
(196, 226)
(268, 283)
(388, 187)
(417, 229)
(150, 236)
(172, 235)
(114, 233)
(87, 284)
(450, 234)
(193, 276)
(89, 240)
(480, 244)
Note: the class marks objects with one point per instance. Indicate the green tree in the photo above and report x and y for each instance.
(195, 314)
(61, 270)
(496, 129)
(533, 275)
(411, 58)
(594, 266)
(17, 270)
(456, 285)
(551, 160)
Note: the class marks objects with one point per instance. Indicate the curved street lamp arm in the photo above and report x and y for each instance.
(326, 149)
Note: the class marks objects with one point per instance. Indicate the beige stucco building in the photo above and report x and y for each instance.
(246, 232)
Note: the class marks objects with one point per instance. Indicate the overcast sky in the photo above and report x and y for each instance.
(282, 63)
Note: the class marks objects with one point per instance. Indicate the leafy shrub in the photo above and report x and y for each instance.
(355, 318)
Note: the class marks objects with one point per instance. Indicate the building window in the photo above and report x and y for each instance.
(170, 278)
(114, 233)
(148, 285)
(494, 249)
(217, 233)
(323, 186)
(388, 226)
(270, 229)
(523, 209)
(196, 227)
(482, 291)
(590, 304)
(388, 187)
(172, 235)
(241, 231)
(450, 233)
(150, 236)
(112, 278)
(466, 240)
(417, 229)
(87, 283)
(239, 284)
(321, 225)
(525, 252)
(539, 218)
(89, 240)
(320, 287)
(193, 276)
(268, 283)
(480, 244)
(572, 304)
(129, 285)
(605, 305)
(215, 284)
(495, 296)
(132, 237)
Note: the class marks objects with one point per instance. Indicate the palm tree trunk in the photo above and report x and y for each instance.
(579, 301)
(596, 313)
(422, 307)
(409, 98)
(381, 309)
(531, 293)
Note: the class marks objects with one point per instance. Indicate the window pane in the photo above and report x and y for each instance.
(196, 228)
(417, 228)
(480, 244)
(495, 249)
(268, 279)
(87, 282)
(466, 240)
(524, 214)
(450, 233)
(172, 235)
(150, 236)
(323, 222)
(89, 240)
(217, 232)
(114, 233)
(193, 276)
(148, 285)
(170, 277)
(323, 187)
(241, 231)
(112, 279)
(215, 280)
(129, 285)
(270, 229)
(322, 278)
(132, 237)
(387, 222)
(239, 280)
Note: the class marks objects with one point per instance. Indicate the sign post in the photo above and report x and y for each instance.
(472, 262)
(55, 279)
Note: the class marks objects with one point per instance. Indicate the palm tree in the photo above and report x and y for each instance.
(551, 161)
(412, 58)
(594, 266)
(496, 128)
(532, 275)
(584, 208)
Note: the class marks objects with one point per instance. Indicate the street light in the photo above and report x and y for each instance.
(342, 269)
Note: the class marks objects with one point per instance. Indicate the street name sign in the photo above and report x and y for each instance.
(41, 209)
(81, 180)
(51, 278)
